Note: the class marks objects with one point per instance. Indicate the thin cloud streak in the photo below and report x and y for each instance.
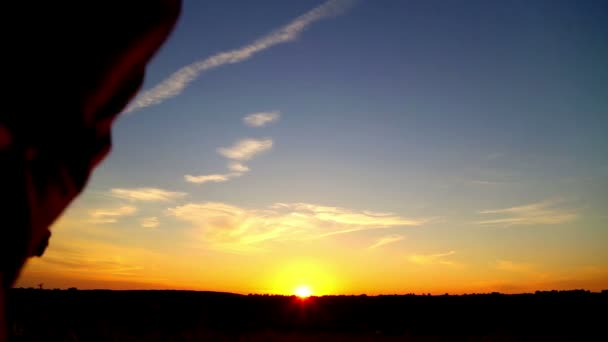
(110, 215)
(238, 167)
(385, 240)
(178, 81)
(246, 149)
(216, 178)
(146, 194)
(242, 150)
(430, 259)
(150, 222)
(349, 217)
(230, 227)
(261, 119)
(544, 212)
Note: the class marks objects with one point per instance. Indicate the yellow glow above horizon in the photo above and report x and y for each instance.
(84, 254)
(303, 291)
(305, 276)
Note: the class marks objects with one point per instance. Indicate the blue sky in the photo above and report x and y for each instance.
(479, 126)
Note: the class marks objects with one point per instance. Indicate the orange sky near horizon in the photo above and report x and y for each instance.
(82, 259)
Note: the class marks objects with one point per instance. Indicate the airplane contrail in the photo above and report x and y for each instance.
(175, 84)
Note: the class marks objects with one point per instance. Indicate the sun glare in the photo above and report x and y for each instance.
(302, 278)
(303, 291)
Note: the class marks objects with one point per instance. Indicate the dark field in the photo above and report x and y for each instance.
(101, 315)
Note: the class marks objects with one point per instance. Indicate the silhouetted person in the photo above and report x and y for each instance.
(68, 68)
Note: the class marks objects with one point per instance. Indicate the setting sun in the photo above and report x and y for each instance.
(303, 291)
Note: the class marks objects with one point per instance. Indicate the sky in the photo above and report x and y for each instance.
(378, 147)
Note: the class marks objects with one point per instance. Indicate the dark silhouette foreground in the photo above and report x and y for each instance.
(103, 315)
(68, 69)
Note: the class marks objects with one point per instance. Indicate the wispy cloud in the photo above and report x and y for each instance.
(246, 149)
(242, 150)
(232, 227)
(238, 167)
(150, 222)
(176, 83)
(350, 217)
(110, 215)
(430, 259)
(216, 178)
(261, 119)
(385, 240)
(544, 212)
(146, 194)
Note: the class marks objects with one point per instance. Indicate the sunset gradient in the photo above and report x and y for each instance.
(353, 147)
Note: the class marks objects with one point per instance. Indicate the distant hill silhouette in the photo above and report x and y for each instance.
(100, 315)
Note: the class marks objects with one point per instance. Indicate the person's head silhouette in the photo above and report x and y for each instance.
(71, 68)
